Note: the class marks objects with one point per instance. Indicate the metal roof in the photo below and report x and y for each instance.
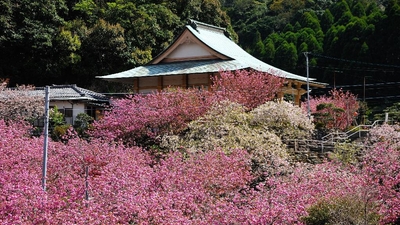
(176, 68)
(217, 39)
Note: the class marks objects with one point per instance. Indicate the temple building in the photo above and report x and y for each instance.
(198, 53)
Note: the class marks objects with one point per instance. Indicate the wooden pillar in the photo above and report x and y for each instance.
(160, 83)
(280, 95)
(209, 83)
(185, 81)
(136, 85)
(298, 95)
(287, 90)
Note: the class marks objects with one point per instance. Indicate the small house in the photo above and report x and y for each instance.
(72, 100)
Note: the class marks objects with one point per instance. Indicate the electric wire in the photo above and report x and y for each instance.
(353, 61)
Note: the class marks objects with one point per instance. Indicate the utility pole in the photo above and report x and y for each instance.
(46, 136)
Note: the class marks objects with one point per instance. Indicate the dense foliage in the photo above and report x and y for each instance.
(62, 41)
(97, 182)
(350, 43)
(228, 165)
(215, 147)
(73, 41)
(19, 103)
(250, 88)
(336, 111)
(346, 31)
(142, 119)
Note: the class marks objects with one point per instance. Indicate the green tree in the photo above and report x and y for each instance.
(103, 50)
(88, 11)
(269, 50)
(290, 37)
(358, 10)
(393, 112)
(387, 36)
(339, 9)
(27, 40)
(148, 27)
(357, 33)
(310, 20)
(286, 56)
(247, 18)
(259, 48)
(207, 11)
(82, 124)
(58, 126)
(327, 20)
(374, 13)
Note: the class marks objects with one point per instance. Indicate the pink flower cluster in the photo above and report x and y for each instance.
(101, 183)
(342, 113)
(139, 119)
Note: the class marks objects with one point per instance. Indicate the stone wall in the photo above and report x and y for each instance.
(309, 151)
(317, 151)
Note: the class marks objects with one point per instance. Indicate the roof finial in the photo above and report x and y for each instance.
(193, 24)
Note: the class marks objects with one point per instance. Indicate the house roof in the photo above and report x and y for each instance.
(73, 92)
(68, 93)
(220, 53)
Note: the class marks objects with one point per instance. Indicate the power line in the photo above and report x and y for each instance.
(353, 61)
(374, 85)
(360, 69)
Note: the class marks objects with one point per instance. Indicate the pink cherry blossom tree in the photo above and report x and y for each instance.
(140, 119)
(336, 111)
(99, 182)
(19, 103)
(250, 88)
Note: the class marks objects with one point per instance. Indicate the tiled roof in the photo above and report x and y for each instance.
(216, 39)
(224, 45)
(69, 92)
(186, 67)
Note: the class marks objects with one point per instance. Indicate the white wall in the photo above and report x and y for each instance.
(189, 50)
(76, 108)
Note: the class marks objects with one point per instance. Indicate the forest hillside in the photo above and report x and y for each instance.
(353, 45)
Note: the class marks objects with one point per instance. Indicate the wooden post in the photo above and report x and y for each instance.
(280, 96)
(298, 95)
(185, 81)
(160, 83)
(136, 85)
(210, 75)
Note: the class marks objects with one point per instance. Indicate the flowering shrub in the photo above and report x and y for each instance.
(142, 119)
(228, 126)
(19, 103)
(380, 178)
(139, 119)
(286, 120)
(337, 111)
(247, 87)
(347, 210)
(385, 134)
(101, 183)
